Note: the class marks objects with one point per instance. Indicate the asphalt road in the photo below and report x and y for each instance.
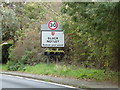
(7, 81)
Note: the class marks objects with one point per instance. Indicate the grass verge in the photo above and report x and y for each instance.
(70, 71)
(74, 72)
(3, 67)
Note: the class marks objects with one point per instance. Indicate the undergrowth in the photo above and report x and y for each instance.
(66, 71)
(73, 72)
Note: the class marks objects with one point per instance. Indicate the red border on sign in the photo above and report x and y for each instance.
(52, 28)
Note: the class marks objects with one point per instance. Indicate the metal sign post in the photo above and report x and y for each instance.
(57, 57)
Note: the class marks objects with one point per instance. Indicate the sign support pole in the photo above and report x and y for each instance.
(57, 57)
(48, 60)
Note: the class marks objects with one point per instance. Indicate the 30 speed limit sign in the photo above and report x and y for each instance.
(52, 25)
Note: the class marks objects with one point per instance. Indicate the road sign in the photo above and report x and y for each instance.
(49, 40)
(52, 25)
(52, 35)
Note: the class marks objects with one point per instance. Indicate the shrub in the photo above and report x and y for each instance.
(15, 65)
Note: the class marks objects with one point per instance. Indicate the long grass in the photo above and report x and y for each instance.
(70, 71)
(3, 67)
(73, 72)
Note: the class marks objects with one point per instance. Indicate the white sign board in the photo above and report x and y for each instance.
(52, 39)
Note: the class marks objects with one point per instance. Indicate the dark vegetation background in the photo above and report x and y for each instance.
(92, 35)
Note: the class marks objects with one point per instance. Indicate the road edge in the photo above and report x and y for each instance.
(46, 80)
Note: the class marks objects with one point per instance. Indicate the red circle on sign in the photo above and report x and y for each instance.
(52, 28)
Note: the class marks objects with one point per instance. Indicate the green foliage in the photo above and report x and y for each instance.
(3, 67)
(33, 11)
(24, 21)
(72, 71)
(92, 32)
(10, 23)
(66, 71)
(27, 58)
(15, 65)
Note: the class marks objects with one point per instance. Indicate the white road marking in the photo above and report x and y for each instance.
(12, 76)
(51, 83)
(41, 81)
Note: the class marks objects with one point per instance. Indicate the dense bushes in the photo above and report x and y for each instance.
(21, 22)
(91, 35)
(19, 62)
(92, 32)
(13, 65)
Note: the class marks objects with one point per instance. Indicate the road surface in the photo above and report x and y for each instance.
(21, 82)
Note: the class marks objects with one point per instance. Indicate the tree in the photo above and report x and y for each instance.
(93, 28)
(10, 23)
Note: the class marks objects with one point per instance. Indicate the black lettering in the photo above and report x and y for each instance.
(52, 25)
